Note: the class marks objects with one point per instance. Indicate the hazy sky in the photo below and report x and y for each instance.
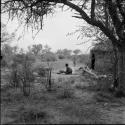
(54, 32)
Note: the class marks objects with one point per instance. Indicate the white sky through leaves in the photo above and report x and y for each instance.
(54, 32)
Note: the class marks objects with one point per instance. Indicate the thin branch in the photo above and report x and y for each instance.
(97, 23)
(89, 48)
(106, 16)
(84, 15)
(77, 17)
(93, 9)
(36, 34)
(83, 42)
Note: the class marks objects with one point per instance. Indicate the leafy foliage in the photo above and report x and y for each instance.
(21, 74)
(77, 51)
(29, 12)
(66, 91)
(49, 56)
(64, 53)
(5, 36)
(36, 49)
(99, 13)
(7, 53)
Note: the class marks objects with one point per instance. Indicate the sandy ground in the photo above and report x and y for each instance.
(80, 109)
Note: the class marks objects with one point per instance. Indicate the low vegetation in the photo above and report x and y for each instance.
(32, 92)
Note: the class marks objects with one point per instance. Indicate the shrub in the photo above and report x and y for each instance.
(49, 56)
(26, 77)
(28, 115)
(103, 84)
(61, 56)
(66, 91)
(45, 77)
(3, 62)
(21, 74)
(14, 78)
(80, 86)
(33, 115)
(42, 72)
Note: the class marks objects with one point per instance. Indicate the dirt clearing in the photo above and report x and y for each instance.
(65, 104)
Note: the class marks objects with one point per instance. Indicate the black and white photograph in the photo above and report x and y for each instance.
(62, 62)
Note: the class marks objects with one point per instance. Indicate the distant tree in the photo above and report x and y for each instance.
(5, 36)
(59, 53)
(46, 49)
(67, 53)
(36, 49)
(29, 49)
(21, 51)
(15, 49)
(77, 51)
(49, 56)
(64, 53)
(61, 56)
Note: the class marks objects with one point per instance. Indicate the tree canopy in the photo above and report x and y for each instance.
(76, 51)
(108, 15)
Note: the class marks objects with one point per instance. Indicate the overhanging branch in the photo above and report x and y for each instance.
(77, 17)
(105, 30)
(82, 13)
(113, 13)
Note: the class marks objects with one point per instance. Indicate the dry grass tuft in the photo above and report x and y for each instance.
(30, 115)
(66, 91)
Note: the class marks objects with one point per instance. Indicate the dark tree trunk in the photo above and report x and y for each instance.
(50, 82)
(93, 62)
(121, 71)
(115, 67)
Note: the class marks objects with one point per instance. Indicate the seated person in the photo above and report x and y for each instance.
(68, 70)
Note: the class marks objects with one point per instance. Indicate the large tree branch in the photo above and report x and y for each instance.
(113, 13)
(77, 17)
(105, 30)
(106, 17)
(84, 15)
